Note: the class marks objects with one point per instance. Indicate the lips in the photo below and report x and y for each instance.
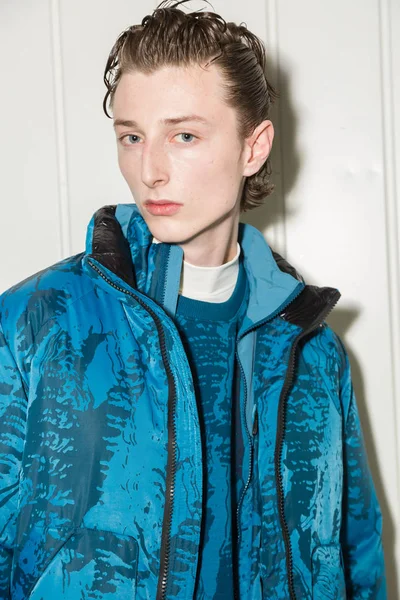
(162, 201)
(162, 207)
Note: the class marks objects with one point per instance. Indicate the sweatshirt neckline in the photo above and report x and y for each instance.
(215, 311)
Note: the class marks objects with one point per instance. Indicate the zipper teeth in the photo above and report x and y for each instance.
(279, 446)
(255, 426)
(165, 281)
(238, 528)
(171, 461)
(255, 326)
(250, 458)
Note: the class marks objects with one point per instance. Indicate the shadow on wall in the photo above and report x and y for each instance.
(272, 213)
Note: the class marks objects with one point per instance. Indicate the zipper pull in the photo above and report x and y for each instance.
(255, 424)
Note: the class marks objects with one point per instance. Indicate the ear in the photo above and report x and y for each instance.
(257, 148)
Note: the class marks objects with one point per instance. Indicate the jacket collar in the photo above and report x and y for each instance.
(119, 238)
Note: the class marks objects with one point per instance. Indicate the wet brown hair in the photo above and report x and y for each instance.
(171, 37)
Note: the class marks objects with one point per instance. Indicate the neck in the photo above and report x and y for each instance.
(209, 250)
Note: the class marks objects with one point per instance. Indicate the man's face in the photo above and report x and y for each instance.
(198, 165)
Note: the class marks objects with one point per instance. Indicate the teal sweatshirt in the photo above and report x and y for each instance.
(208, 331)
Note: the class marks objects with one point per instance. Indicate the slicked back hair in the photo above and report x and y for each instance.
(171, 37)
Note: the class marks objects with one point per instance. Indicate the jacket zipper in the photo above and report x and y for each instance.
(251, 452)
(255, 425)
(171, 461)
(280, 431)
(238, 529)
(251, 438)
(279, 444)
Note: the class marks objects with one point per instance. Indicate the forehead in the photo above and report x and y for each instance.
(169, 91)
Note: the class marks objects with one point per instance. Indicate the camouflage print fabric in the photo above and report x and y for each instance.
(100, 452)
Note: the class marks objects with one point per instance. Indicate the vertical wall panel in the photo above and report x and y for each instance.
(394, 102)
(88, 32)
(390, 54)
(335, 198)
(30, 238)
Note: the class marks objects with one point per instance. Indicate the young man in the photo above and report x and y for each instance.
(178, 420)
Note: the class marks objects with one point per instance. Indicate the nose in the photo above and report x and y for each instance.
(154, 165)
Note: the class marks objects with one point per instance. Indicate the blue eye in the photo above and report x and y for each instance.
(130, 136)
(189, 134)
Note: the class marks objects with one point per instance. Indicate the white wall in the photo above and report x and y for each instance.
(334, 213)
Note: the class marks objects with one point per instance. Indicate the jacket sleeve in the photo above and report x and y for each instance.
(13, 405)
(361, 533)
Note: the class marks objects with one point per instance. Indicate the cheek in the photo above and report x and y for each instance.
(224, 176)
(121, 162)
(126, 167)
(190, 178)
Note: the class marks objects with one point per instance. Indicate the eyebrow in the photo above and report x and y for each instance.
(169, 121)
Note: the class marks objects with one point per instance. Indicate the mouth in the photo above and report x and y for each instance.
(162, 207)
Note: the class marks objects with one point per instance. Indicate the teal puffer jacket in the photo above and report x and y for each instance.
(100, 447)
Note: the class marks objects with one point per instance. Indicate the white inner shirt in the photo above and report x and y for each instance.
(209, 284)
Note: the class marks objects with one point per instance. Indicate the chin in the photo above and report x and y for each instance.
(169, 239)
(169, 235)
